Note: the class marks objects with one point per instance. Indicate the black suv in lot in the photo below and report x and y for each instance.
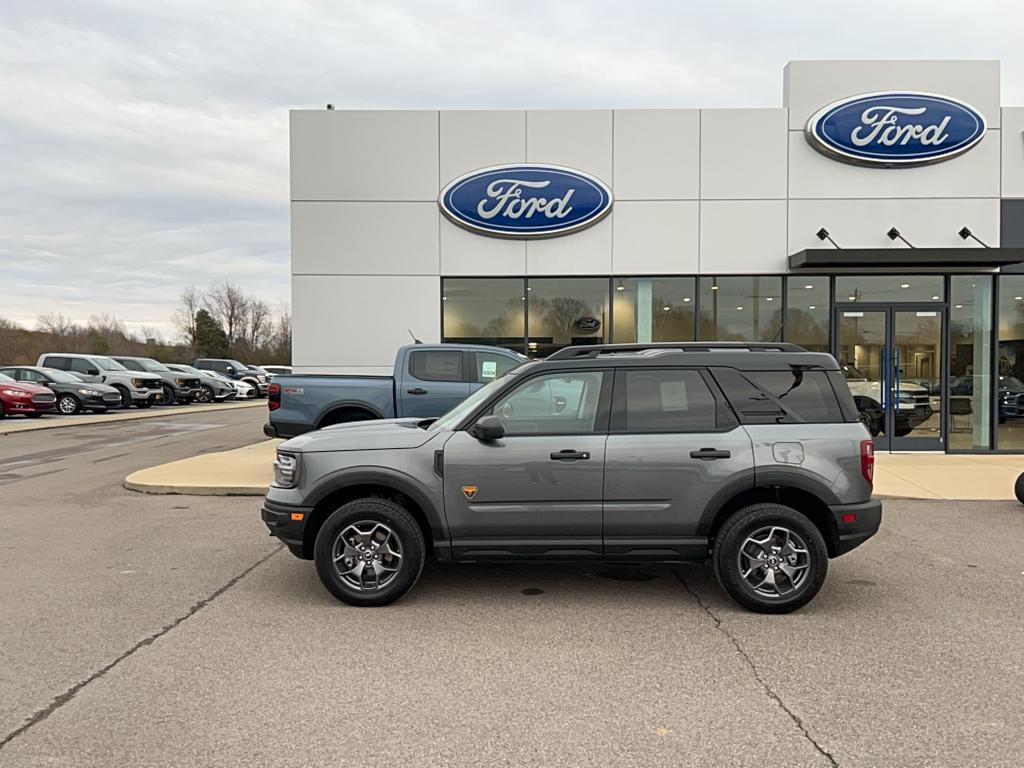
(752, 456)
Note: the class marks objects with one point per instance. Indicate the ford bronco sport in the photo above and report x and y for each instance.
(752, 456)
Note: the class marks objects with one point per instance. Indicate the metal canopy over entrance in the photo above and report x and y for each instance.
(918, 258)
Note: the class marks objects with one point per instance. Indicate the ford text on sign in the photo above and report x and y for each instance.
(525, 201)
(895, 129)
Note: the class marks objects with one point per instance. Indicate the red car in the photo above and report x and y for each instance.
(22, 397)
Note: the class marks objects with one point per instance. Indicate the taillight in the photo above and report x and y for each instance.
(274, 397)
(867, 460)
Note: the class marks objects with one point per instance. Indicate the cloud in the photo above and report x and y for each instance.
(145, 144)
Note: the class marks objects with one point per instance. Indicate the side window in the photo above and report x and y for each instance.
(81, 365)
(11, 372)
(555, 404)
(60, 363)
(780, 397)
(668, 401)
(436, 365)
(33, 376)
(490, 366)
(132, 365)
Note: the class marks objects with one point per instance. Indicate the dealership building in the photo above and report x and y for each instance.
(877, 214)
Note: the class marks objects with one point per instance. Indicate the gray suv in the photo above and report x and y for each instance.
(752, 456)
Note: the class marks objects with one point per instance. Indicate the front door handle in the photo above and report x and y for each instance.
(708, 454)
(417, 391)
(569, 455)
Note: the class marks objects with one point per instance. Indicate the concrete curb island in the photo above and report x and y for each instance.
(11, 426)
(247, 472)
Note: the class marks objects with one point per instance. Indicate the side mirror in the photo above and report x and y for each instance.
(229, 369)
(488, 428)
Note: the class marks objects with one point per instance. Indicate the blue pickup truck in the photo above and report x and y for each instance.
(428, 380)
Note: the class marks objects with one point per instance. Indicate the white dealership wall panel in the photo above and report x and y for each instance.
(712, 191)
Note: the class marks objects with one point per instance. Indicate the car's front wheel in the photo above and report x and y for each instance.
(68, 405)
(206, 395)
(770, 558)
(369, 552)
(169, 398)
(126, 397)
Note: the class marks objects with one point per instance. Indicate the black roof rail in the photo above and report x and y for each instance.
(593, 350)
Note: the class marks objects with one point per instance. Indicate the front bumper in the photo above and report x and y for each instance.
(281, 521)
(17, 405)
(146, 395)
(867, 516)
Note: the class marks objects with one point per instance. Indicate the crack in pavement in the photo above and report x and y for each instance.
(757, 674)
(71, 692)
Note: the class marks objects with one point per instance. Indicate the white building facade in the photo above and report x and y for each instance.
(721, 224)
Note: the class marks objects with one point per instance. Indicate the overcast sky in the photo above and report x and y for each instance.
(144, 144)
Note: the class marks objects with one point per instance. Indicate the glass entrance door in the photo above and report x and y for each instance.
(892, 358)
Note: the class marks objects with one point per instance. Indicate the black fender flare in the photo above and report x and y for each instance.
(363, 406)
(792, 477)
(399, 481)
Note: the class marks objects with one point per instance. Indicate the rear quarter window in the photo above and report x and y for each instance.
(792, 396)
(60, 363)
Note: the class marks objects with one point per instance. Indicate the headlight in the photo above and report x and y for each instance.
(89, 392)
(15, 393)
(138, 383)
(286, 470)
(181, 382)
(262, 379)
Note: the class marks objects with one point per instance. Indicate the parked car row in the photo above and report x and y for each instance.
(69, 383)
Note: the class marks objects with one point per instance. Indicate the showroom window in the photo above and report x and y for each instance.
(970, 362)
(566, 310)
(1011, 362)
(484, 310)
(807, 312)
(652, 309)
(741, 308)
(889, 288)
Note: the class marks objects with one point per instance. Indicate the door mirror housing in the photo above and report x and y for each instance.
(229, 369)
(488, 428)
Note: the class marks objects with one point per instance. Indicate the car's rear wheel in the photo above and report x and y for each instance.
(68, 404)
(770, 558)
(126, 397)
(369, 552)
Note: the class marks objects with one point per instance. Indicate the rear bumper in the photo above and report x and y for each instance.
(866, 517)
(280, 521)
(284, 429)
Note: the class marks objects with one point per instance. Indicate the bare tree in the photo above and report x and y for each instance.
(57, 324)
(184, 318)
(257, 324)
(227, 304)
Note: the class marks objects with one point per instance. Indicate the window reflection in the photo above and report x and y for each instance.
(741, 308)
(807, 312)
(1011, 362)
(654, 309)
(484, 311)
(970, 366)
(564, 311)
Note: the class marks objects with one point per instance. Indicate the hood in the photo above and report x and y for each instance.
(362, 436)
(906, 386)
(24, 386)
(134, 374)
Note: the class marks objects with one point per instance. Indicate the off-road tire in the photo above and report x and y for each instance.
(736, 530)
(402, 525)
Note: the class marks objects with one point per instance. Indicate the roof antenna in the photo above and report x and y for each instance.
(414, 339)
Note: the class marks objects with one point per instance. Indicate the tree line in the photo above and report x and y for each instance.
(218, 321)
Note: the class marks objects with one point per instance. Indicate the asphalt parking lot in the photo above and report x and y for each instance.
(168, 630)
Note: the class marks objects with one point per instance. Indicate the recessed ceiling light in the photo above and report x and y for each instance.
(687, 298)
(739, 307)
(769, 298)
(667, 308)
(904, 285)
(714, 287)
(529, 288)
(1018, 298)
(808, 287)
(444, 298)
(958, 306)
(812, 307)
(935, 298)
(852, 298)
(620, 287)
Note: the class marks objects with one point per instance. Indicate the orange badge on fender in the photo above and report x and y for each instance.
(469, 491)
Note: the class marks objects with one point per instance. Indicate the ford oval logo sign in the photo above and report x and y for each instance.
(895, 129)
(525, 201)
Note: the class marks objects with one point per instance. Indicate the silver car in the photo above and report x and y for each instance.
(751, 456)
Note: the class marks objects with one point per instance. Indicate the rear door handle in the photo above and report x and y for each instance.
(569, 455)
(708, 454)
(417, 391)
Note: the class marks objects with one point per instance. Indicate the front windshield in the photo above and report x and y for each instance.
(109, 365)
(5, 377)
(236, 365)
(153, 366)
(460, 411)
(61, 377)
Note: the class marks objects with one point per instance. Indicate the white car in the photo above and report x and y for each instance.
(913, 403)
(243, 391)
